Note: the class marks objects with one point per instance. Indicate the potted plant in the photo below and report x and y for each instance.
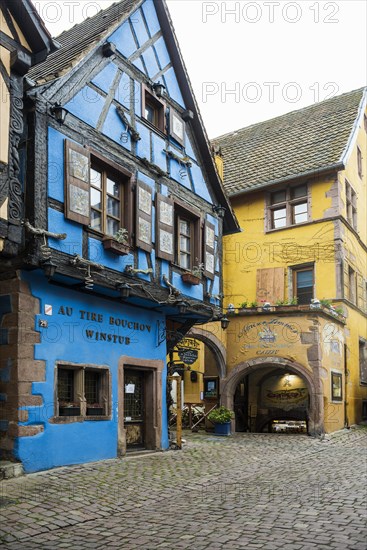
(119, 243)
(221, 418)
(194, 276)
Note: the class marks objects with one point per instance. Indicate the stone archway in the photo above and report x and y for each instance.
(213, 343)
(316, 410)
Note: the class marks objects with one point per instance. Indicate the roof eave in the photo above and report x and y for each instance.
(34, 29)
(318, 171)
(230, 222)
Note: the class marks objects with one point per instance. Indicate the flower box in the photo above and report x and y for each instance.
(95, 411)
(69, 410)
(190, 278)
(114, 246)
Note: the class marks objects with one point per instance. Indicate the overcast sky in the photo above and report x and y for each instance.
(251, 61)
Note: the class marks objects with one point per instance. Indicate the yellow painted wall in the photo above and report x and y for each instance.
(323, 243)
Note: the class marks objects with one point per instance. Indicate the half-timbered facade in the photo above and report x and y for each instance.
(121, 241)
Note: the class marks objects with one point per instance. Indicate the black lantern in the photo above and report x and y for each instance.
(49, 268)
(125, 290)
(159, 88)
(59, 113)
(220, 210)
(224, 322)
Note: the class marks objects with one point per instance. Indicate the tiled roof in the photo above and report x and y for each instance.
(80, 39)
(288, 146)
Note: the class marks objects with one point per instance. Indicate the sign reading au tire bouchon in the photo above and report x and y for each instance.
(188, 350)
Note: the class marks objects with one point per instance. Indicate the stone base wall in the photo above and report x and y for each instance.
(18, 368)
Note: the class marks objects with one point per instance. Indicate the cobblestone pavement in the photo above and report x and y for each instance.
(253, 491)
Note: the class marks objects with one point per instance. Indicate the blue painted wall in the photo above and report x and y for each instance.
(65, 339)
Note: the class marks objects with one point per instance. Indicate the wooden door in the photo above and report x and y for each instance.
(134, 409)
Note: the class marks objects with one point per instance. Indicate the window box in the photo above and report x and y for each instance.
(114, 246)
(190, 278)
(69, 409)
(95, 410)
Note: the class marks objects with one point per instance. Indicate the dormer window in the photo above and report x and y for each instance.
(153, 109)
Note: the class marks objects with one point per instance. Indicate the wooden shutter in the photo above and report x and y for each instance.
(144, 235)
(270, 284)
(165, 244)
(209, 247)
(77, 190)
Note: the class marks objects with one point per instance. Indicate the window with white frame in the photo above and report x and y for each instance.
(288, 207)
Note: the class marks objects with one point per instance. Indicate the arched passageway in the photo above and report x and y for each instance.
(266, 389)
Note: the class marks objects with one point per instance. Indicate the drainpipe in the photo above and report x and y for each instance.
(346, 422)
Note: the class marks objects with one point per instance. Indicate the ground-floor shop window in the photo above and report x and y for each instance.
(82, 391)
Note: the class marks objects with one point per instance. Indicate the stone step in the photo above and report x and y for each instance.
(10, 469)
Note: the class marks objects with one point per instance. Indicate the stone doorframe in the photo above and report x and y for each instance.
(153, 399)
(214, 344)
(316, 410)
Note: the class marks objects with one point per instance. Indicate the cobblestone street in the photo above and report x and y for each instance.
(253, 491)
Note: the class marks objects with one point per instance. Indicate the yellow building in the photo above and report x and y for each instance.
(295, 277)
(24, 41)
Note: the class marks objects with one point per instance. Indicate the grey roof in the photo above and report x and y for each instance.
(291, 145)
(80, 39)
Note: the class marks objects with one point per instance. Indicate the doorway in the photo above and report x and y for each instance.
(134, 409)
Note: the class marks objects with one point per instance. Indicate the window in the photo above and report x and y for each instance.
(359, 162)
(351, 201)
(106, 200)
(352, 285)
(153, 109)
(288, 207)
(363, 361)
(303, 283)
(82, 391)
(336, 386)
(187, 238)
(98, 192)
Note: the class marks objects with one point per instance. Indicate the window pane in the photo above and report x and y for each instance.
(184, 227)
(112, 226)
(95, 178)
(95, 220)
(65, 385)
(278, 196)
(304, 286)
(304, 278)
(185, 261)
(150, 113)
(113, 207)
(300, 191)
(300, 213)
(279, 218)
(92, 387)
(113, 188)
(95, 199)
(184, 244)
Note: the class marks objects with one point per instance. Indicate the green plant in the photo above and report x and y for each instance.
(253, 304)
(294, 301)
(197, 270)
(244, 304)
(339, 310)
(325, 303)
(221, 415)
(122, 236)
(281, 302)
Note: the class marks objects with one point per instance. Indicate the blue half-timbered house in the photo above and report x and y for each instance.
(122, 226)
